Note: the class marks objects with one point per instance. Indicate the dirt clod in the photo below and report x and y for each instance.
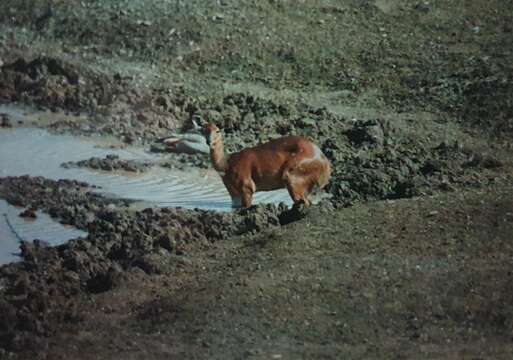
(410, 255)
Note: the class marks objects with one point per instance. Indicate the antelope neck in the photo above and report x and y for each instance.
(217, 155)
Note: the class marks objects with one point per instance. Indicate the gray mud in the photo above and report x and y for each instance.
(108, 163)
(118, 238)
(410, 256)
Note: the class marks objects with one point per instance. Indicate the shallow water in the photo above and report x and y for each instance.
(36, 152)
(14, 228)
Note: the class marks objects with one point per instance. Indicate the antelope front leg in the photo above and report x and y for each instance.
(248, 188)
(234, 194)
(236, 202)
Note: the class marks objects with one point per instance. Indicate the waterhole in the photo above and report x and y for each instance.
(37, 152)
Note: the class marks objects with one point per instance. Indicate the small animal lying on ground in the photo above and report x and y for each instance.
(191, 142)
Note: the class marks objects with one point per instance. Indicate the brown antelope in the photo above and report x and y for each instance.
(291, 162)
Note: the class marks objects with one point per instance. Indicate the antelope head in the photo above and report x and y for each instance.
(212, 135)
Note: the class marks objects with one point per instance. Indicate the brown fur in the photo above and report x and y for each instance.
(291, 162)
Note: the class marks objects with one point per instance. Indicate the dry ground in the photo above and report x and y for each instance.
(419, 278)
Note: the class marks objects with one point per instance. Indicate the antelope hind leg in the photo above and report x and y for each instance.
(297, 190)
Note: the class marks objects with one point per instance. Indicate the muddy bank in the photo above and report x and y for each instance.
(405, 98)
(374, 158)
(108, 163)
(73, 203)
(39, 294)
(113, 162)
(112, 106)
(376, 280)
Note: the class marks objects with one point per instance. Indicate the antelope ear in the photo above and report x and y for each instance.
(195, 125)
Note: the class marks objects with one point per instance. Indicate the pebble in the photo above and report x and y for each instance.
(5, 121)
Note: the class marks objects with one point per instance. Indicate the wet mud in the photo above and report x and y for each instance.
(37, 293)
(108, 163)
(408, 252)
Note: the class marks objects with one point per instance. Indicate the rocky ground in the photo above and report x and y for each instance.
(410, 101)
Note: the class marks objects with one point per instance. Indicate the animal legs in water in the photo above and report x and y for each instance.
(236, 202)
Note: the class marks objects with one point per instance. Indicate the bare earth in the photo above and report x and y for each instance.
(409, 257)
(425, 277)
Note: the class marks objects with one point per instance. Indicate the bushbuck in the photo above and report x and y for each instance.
(291, 162)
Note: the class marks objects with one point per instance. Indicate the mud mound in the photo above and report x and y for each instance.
(371, 158)
(53, 83)
(66, 200)
(5, 121)
(120, 110)
(488, 102)
(35, 295)
(183, 162)
(386, 165)
(110, 162)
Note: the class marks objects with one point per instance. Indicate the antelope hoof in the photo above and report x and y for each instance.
(236, 202)
(301, 204)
